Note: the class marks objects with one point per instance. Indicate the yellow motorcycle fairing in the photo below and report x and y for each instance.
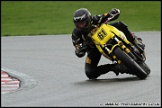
(103, 34)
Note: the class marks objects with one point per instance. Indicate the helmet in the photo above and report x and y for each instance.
(82, 19)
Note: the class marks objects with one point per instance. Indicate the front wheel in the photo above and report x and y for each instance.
(145, 67)
(138, 70)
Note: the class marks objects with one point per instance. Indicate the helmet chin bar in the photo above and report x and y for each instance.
(84, 26)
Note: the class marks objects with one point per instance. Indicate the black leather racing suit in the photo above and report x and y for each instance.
(92, 70)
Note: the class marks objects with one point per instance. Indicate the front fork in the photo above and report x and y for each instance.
(123, 47)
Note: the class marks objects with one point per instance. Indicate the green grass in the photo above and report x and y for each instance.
(55, 17)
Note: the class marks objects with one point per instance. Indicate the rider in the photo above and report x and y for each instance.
(84, 22)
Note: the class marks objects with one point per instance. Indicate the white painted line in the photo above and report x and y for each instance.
(10, 88)
(5, 75)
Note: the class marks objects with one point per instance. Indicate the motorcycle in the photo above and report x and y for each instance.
(113, 44)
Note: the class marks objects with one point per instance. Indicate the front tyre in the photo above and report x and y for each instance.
(145, 67)
(130, 63)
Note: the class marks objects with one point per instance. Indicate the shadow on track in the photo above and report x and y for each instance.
(108, 80)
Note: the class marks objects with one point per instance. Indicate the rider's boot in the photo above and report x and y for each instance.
(137, 41)
(116, 68)
(103, 69)
(120, 68)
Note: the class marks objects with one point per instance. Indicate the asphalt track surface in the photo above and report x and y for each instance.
(52, 76)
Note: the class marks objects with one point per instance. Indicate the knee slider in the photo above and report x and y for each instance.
(91, 74)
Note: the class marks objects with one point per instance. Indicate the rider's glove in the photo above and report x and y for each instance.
(80, 51)
(114, 13)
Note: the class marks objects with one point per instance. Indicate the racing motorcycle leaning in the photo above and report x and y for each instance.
(113, 44)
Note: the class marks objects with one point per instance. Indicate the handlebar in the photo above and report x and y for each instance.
(108, 19)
